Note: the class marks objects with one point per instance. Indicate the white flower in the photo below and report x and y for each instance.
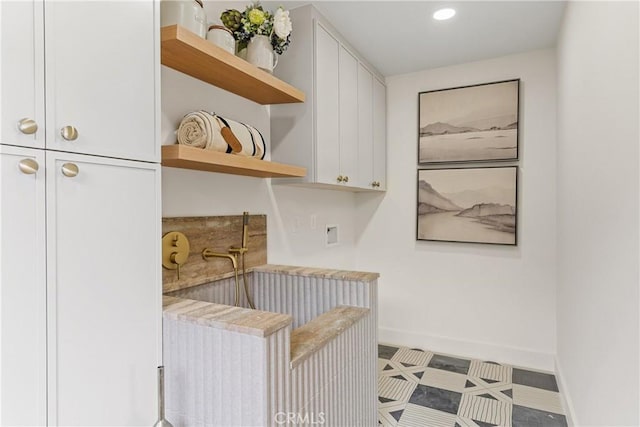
(282, 23)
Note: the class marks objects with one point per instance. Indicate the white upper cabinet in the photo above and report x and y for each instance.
(365, 127)
(21, 74)
(336, 134)
(379, 135)
(348, 94)
(327, 107)
(101, 69)
(23, 351)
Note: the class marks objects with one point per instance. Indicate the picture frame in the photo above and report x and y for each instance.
(471, 205)
(476, 123)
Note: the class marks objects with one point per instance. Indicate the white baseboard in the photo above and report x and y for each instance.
(477, 350)
(567, 404)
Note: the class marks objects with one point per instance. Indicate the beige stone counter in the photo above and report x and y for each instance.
(312, 336)
(325, 273)
(237, 319)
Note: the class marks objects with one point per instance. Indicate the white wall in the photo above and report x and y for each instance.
(495, 302)
(291, 239)
(598, 212)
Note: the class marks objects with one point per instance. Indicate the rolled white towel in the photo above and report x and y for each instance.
(212, 132)
(200, 129)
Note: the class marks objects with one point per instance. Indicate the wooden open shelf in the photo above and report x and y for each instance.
(181, 156)
(184, 51)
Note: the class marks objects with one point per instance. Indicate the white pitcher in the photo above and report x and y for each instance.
(260, 53)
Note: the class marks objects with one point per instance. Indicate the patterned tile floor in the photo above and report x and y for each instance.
(419, 388)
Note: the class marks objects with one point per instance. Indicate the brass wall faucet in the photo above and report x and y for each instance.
(208, 253)
(233, 255)
(233, 252)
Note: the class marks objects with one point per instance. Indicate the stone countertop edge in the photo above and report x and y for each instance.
(325, 273)
(236, 319)
(314, 335)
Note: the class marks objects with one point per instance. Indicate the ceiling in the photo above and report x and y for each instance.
(400, 37)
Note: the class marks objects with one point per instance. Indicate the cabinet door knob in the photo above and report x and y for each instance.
(346, 179)
(70, 170)
(27, 126)
(28, 166)
(69, 133)
(340, 178)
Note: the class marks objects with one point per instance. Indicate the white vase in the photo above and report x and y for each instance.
(186, 13)
(260, 53)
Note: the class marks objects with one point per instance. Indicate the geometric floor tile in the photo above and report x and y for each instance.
(448, 363)
(421, 389)
(407, 356)
(491, 371)
(419, 416)
(444, 379)
(537, 398)
(501, 394)
(386, 352)
(468, 422)
(388, 411)
(485, 409)
(436, 398)
(400, 371)
(529, 417)
(474, 384)
(395, 389)
(535, 379)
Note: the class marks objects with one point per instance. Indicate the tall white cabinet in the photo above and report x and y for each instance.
(80, 286)
(23, 289)
(339, 134)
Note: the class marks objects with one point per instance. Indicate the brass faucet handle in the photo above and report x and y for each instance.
(175, 251)
(174, 260)
(240, 251)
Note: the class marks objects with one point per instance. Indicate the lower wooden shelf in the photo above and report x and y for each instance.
(181, 156)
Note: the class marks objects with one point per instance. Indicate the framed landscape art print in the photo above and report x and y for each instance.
(476, 205)
(469, 124)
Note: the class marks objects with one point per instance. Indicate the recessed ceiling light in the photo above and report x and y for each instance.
(442, 14)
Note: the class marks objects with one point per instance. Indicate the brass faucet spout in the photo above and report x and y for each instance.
(208, 253)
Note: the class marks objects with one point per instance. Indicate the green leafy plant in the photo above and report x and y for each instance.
(254, 20)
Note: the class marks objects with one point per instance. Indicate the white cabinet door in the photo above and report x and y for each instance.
(348, 95)
(327, 108)
(23, 353)
(100, 77)
(365, 123)
(379, 134)
(21, 73)
(104, 290)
